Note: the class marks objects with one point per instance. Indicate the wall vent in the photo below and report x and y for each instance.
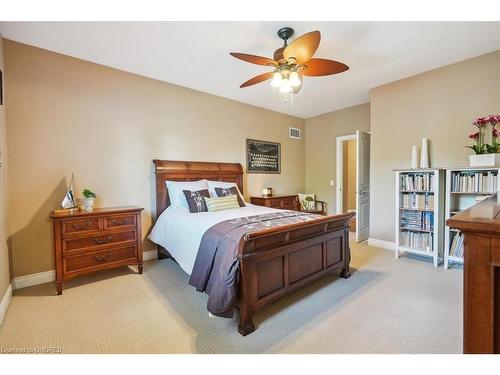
(294, 133)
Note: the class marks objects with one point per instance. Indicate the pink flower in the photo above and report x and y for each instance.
(494, 119)
(480, 122)
(495, 133)
(474, 135)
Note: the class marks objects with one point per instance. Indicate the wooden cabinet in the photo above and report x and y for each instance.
(285, 202)
(104, 238)
(480, 226)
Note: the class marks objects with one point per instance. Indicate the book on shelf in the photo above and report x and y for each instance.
(417, 201)
(416, 240)
(474, 182)
(417, 182)
(419, 220)
(457, 246)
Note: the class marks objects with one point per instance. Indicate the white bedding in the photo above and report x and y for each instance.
(180, 231)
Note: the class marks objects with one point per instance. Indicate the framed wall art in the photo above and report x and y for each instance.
(263, 157)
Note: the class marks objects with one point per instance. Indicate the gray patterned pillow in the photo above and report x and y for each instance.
(196, 201)
(224, 192)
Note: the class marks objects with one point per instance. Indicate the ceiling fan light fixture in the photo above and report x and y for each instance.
(277, 79)
(285, 87)
(295, 79)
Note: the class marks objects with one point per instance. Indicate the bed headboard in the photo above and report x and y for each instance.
(176, 170)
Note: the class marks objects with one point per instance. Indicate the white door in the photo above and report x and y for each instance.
(362, 186)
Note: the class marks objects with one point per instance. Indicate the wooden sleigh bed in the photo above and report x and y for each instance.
(275, 261)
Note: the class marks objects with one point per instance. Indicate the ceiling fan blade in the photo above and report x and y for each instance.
(303, 48)
(259, 60)
(257, 79)
(322, 67)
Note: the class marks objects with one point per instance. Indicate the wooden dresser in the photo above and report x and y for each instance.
(285, 202)
(480, 225)
(104, 238)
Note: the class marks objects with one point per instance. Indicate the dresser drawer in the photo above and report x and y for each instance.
(98, 240)
(81, 225)
(118, 221)
(274, 203)
(288, 204)
(79, 262)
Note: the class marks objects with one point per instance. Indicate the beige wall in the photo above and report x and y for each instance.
(4, 190)
(106, 125)
(439, 105)
(349, 175)
(321, 133)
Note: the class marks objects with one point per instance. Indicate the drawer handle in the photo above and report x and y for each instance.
(118, 222)
(105, 240)
(102, 259)
(81, 227)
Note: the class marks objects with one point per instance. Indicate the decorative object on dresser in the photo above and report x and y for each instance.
(480, 225)
(486, 147)
(263, 157)
(308, 203)
(419, 212)
(275, 261)
(88, 199)
(68, 202)
(285, 202)
(104, 238)
(465, 187)
(267, 192)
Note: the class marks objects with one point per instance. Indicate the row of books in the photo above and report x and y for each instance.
(418, 220)
(417, 182)
(479, 182)
(417, 240)
(417, 201)
(457, 246)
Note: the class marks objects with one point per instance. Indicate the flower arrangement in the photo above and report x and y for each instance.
(483, 146)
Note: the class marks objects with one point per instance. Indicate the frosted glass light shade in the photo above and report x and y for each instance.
(277, 80)
(294, 79)
(285, 86)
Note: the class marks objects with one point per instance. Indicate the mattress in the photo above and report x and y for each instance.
(180, 231)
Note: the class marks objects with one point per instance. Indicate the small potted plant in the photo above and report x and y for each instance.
(88, 199)
(486, 147)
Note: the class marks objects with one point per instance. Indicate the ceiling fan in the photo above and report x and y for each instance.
(291, 62)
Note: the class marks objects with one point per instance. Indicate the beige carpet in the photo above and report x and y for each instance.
(387, 306)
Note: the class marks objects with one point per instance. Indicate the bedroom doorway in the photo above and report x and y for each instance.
(353, 181)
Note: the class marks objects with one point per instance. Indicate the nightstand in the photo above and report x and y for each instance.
(285, 202)
(90, 241)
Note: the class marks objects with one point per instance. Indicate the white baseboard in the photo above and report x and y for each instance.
(381, 243)
(48, 276)
(33, 279)
(4, 303)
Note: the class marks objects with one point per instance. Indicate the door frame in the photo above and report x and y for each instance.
(340, 171)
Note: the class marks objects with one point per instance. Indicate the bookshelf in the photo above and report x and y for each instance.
(419, 213)
(465, 186)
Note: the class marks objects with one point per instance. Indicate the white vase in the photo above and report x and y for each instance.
(88, 204)
(424, 154)
(484, 160)
(414, 156)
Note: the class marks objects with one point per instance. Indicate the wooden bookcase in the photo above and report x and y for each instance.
(465, 186)
(419, 213)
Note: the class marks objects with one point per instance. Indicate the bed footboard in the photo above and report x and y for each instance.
(280, 260)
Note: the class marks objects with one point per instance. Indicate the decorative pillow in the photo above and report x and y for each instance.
(196, 201)
(307, 202)
(224, 185)
(224, 192)
(222, 203)
(175, 191)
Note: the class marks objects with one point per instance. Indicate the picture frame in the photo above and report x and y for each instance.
(263, 156)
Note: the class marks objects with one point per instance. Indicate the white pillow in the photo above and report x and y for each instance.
(221, 184)
(175, 188)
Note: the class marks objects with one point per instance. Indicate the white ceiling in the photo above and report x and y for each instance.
(196, 54)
